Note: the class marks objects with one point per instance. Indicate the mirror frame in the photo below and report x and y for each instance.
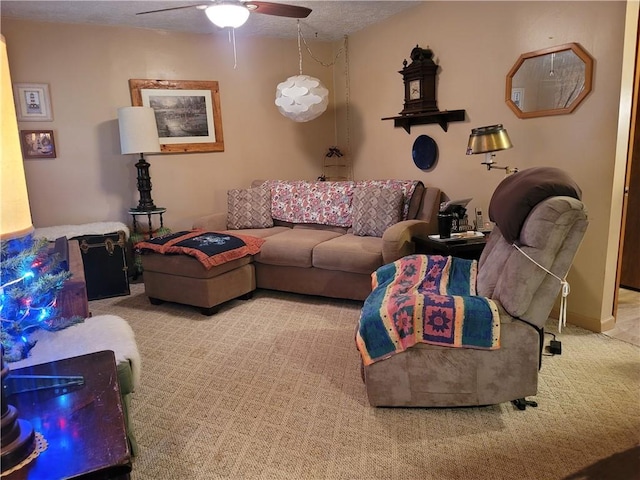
(588, 80)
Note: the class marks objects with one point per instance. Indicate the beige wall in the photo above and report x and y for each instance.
(475, 44)
(88, 68)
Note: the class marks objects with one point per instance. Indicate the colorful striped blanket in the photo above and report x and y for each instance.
(428, 299)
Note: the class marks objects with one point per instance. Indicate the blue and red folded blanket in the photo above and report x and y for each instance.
(425, 299)
(210, 248)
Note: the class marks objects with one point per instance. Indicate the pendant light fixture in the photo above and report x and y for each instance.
(301, 98)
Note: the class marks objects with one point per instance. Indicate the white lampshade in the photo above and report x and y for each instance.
(302, 98)
(138, 130)
(15, 214)
(227, 15)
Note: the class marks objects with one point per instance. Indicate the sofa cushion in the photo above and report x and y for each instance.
(258, 232)
(317, 226)
(349, 253)
(249, 208)
(375, 209)
(293, 247)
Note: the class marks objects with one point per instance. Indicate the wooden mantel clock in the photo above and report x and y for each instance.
(420, 106)
(419, 82)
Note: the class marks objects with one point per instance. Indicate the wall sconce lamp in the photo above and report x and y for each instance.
(488, 140)
(139, 134)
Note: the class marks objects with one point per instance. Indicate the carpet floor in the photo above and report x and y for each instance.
(270, 388)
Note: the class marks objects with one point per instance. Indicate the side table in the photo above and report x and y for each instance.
(469, 247)
(84, 428)
(139, 236)
(135, 213)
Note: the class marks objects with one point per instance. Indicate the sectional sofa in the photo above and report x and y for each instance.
(320, 238)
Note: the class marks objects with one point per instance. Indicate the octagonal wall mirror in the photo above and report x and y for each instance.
(551, 81)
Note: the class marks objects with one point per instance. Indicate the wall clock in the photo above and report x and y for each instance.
(419, 78)
(414, 89)
(420, 106)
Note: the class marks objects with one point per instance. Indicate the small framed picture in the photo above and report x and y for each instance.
(517, 97)
(37, 144)
(33, 103)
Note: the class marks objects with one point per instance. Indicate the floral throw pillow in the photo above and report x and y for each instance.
(375, 209)
(249, 208)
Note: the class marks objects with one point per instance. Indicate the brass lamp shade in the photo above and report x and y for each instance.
(488, 139)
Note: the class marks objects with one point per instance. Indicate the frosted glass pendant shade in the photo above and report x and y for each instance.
(227, 15)
(302, 98)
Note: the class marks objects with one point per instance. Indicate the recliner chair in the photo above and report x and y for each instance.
(539, 210)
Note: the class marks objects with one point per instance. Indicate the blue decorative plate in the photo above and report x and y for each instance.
(424, 152)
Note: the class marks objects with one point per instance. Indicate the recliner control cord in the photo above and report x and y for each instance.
(562, 320)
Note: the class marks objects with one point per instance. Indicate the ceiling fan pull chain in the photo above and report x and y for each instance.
(235, 58)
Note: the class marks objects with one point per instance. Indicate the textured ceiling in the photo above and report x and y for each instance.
(329, 19)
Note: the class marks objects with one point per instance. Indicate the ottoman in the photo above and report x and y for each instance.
(183, 279)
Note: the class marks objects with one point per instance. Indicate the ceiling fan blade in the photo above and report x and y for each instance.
(172, 8)
(278, 9)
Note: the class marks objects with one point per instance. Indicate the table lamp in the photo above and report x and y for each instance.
(18, 436)
(139, 134)
(488, 140)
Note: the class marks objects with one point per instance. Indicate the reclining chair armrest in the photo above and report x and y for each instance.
(213, 222)
(397, 240)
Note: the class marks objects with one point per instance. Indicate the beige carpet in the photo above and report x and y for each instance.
(270, 388)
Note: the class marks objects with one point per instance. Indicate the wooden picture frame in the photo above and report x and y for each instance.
(37, 144)
(187, 112)
(33, 103)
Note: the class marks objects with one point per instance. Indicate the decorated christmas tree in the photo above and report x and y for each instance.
(30, 280)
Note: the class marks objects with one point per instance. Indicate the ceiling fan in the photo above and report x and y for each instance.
(234, 13)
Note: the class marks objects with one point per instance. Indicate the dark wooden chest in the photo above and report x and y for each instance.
(105, 264)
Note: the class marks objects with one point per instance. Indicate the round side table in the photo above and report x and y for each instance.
(135, 213)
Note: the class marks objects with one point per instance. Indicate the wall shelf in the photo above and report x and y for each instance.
(441, 118)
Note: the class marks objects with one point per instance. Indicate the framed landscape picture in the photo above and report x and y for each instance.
(32, 102)
(37, 144)
(187, 113)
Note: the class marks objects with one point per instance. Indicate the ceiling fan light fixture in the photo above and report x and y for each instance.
(227, 15)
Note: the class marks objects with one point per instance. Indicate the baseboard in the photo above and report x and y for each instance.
(589, 323)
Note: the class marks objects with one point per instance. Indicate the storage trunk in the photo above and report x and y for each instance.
(105, 264)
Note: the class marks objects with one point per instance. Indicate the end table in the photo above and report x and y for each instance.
(467, 246)
(135, 213)
(84, 428)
